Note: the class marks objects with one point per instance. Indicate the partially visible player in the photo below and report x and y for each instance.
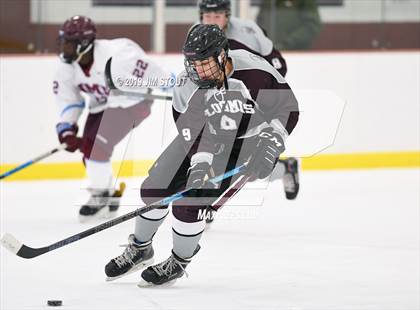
(247, 35)
(241, 33)
(79, 82)
(234, 108)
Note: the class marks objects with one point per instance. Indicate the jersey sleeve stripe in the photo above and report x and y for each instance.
(73, 106)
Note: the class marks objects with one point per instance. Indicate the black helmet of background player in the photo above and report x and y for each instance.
(205, 55)
(205, 6)
(76, 38)
(214, 12)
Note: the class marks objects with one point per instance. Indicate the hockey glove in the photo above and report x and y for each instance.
(67, 133)
(198, 175)
(267, 151)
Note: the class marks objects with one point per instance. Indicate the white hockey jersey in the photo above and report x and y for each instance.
(74, 89)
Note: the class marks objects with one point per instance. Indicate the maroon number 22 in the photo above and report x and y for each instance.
(141, 67)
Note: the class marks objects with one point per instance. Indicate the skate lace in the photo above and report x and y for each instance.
(127, 256)
(166, 267)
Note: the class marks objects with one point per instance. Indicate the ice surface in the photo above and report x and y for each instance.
(350, 241)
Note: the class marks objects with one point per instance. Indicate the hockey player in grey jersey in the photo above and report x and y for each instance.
(233, 109)
(247, 35)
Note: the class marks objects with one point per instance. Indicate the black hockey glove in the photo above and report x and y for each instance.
(198, 175)
(267, 151)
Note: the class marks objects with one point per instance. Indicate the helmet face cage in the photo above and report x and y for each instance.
(80, 48)
(66, 57)
(212, 71)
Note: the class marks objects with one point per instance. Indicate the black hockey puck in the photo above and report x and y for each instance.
(55, 303)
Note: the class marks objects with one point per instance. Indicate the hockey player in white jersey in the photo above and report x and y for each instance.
(247, 35)
(79, 82)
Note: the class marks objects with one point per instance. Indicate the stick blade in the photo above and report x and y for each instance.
(11, 243)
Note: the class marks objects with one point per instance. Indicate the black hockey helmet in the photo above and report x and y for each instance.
(82, 32)
(204, 42)
(214, 6)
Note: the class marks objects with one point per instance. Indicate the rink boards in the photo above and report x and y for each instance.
(358, 110)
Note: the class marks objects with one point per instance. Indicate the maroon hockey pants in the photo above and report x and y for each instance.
(104, 130)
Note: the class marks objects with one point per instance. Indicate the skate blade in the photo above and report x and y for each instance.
(103, 214)
(145, 284)
(138, 267)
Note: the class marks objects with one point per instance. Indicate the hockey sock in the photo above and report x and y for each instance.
(148, 223)
(186, 237)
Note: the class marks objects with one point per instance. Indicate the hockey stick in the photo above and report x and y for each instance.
(22, 250)
(119, 92)
(116, 91)
(33, 161)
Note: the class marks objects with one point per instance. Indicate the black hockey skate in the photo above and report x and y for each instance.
(167, 272)
(135, 256)
(102, 205)
(291, 178)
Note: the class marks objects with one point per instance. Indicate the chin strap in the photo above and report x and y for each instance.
(80, 54)
(225, 80)
(222, 66)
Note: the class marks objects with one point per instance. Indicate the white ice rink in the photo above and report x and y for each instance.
(350, 241)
